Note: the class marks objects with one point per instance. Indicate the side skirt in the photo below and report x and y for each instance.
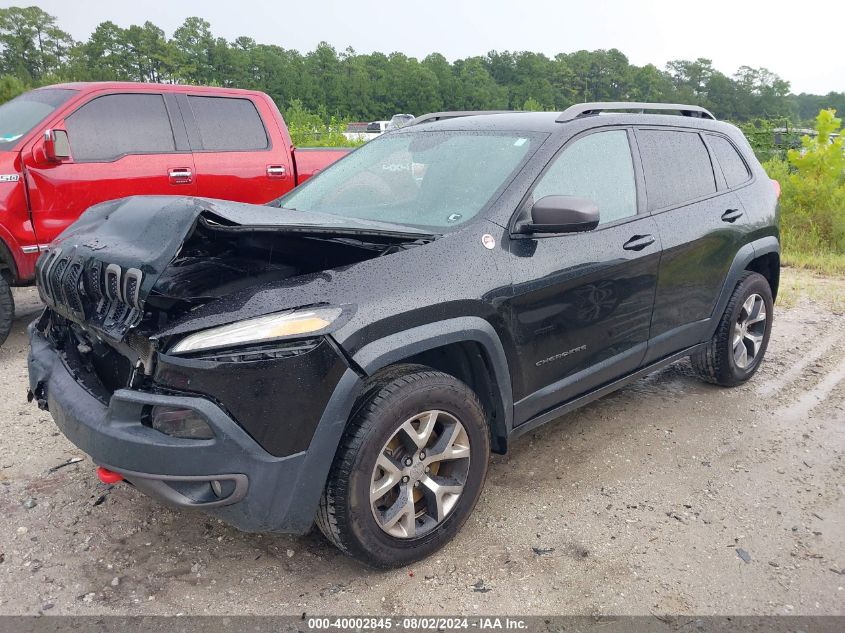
(588, 397)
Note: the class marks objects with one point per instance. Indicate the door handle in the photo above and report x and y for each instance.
(276, 171)
(180, 176)
(638, 242)
(731, 215)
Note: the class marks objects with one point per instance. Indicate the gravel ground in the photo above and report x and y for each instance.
(668, 497)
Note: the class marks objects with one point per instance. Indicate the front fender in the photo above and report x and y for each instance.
(401, 345)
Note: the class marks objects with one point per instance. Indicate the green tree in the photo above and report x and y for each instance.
(813, 194)
(32, 46)
(10, 87)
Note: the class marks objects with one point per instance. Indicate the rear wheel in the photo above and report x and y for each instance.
(409, 470)
(7, 309)
(737, 348)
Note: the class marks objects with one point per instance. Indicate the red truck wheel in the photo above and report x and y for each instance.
(7, 309)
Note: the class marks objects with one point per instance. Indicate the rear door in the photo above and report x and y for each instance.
(122, 144)
(701, 224)
(582, 302)
(233, 149)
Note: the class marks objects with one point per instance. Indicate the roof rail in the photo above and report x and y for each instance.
(587, 109)
(442, 116)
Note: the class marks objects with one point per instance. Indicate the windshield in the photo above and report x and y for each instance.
(21, 114)
(431, 180)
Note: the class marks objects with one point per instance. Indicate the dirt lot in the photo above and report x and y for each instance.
(668, 497)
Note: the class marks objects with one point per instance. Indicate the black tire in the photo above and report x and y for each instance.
(345, 515)
(7, 309)
(716, 362)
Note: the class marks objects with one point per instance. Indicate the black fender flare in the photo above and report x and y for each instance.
(744, 256)
(374, 356)
(401, 345)
(471, 329)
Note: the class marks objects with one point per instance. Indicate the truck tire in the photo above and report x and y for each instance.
(7, 309)
(737, 348)
(409, 469)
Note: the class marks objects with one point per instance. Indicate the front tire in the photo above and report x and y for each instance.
(737, 348)
(409, 469)
(7, 309)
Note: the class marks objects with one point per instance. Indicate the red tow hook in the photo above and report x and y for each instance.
(108, 476)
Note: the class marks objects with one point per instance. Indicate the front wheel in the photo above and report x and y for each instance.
(737, 348)
(7, 309)
(409, 469)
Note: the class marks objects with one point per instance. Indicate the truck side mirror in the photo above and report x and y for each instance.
(56, 146)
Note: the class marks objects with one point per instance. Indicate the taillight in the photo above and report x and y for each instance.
(777, 187)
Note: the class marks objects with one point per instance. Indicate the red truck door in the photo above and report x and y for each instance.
(121, 144)
(238, 151)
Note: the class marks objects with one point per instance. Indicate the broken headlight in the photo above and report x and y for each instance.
(265, 329)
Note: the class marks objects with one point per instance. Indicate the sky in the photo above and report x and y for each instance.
(731, 33)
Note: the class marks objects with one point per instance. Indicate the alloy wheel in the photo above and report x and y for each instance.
(749, 330)
(420, 474)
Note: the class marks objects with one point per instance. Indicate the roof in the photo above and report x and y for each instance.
(135, 85)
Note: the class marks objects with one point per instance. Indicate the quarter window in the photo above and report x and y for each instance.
(228, 124)
(598, 167)
(676, 165)
(111, 126)
(733, 167)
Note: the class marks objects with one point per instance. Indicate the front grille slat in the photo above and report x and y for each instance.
(93, 292)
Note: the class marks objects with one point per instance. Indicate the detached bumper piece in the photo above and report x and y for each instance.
(229, 475)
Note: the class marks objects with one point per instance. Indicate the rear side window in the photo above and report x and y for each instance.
(733, 167)
(111, 126)
(598, 167)
(228, 124)
(676, 165)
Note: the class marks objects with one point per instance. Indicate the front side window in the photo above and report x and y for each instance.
(111, 126)
(228, 124)
(24, 112)
(677, 167)
(432, 180)
(598, 167)
(733, 167)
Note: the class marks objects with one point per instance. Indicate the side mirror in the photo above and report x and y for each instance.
(562, 214)
(56, 146)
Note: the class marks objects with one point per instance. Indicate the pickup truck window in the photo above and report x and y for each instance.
(433, 180)
(112, 126)
(228, 124)
(21, 114)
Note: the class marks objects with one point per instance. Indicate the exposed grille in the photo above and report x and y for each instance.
(102, 295)
(70, 287)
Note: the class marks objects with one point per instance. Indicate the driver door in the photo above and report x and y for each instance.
(582, 302)
(122, 144)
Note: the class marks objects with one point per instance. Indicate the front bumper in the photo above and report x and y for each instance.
(261, 492)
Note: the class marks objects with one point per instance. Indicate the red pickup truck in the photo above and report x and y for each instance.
(66, 147)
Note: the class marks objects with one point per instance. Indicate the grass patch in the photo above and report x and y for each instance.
(797, 285)
(829, 264)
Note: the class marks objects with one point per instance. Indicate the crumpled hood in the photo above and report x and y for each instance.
(117, 252)
(146, 232)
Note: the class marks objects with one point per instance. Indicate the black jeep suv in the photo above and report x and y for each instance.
(352, 352)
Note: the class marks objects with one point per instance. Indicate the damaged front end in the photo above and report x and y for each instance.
(131, 272)
(132, 268)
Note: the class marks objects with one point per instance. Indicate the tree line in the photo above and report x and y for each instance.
(35, 51)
